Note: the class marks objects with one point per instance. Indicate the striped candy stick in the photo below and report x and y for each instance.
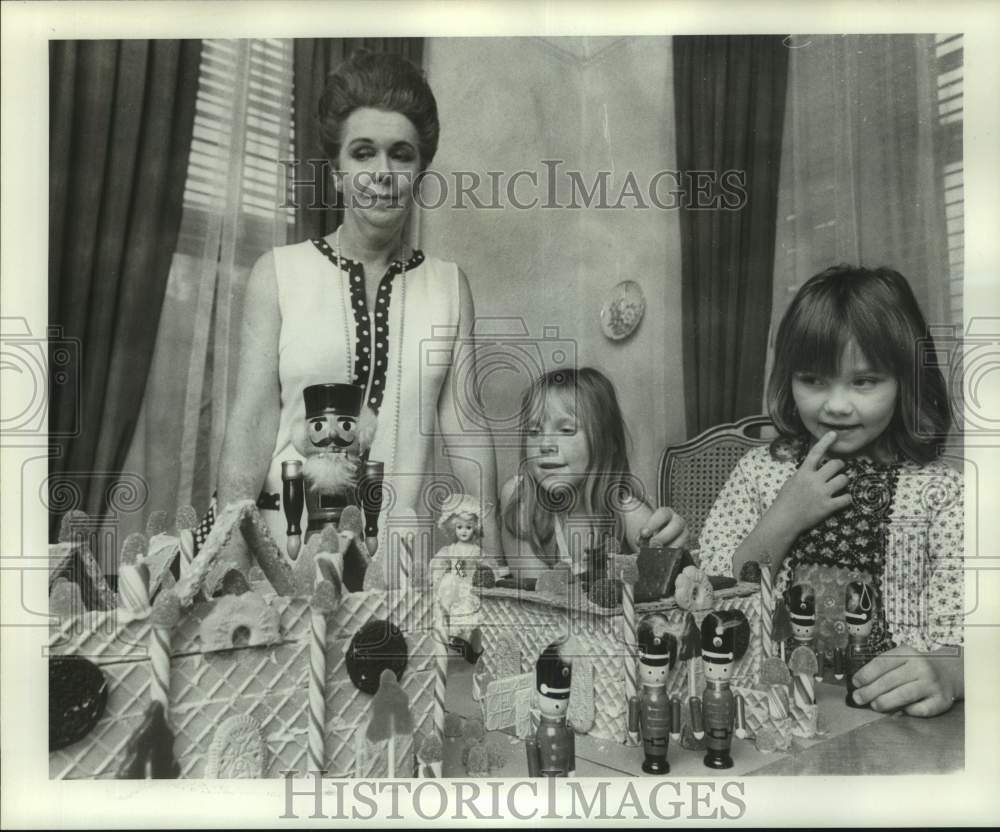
(164, 616)
(324, 600)
(631, 647)
(766, 608)
(133, 586)
(317, 691)
(440, 670)
(803, 690)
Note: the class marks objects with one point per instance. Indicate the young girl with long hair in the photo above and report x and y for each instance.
(853, 489)
(575, 498)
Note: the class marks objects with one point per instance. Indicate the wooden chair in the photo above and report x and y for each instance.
(692, 474)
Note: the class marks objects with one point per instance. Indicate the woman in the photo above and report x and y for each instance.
(359, 306)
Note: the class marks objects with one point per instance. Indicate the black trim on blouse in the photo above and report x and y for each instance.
(370, 368)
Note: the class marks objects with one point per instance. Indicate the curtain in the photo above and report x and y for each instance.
(234, 211)
(120, 123)
(315, 59)
(729, 95)
(862, 179)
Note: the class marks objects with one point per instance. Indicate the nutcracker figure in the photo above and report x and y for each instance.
(859, 614)
(334, 442)
(725, 636)
(552, 752)
(802, 611)
(651, 711)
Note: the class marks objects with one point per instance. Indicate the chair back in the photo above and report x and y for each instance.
(692, 474)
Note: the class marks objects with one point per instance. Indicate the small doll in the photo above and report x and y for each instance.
(859, 613)
(453, 572)
(725, 636)
(802, 613)
(334, 440)
(657, 654)
(552, 751)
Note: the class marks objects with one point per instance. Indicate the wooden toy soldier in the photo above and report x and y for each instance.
(802, 611)
(552, 753)
(725, 636)
(859, 613)
(651, 712)
(336, 437)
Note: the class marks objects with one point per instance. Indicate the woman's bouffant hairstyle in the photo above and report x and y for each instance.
(608, 484)
(877, 310)
(382, 81)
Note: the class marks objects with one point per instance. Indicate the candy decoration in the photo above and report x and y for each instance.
(440, 668)
(839, 663)
(78, 694)
(72, 521)
(781, 627)
(324, 601)
(165, 615)
(133, 586)
(740, 729)
(697, 727)
(802, 690)
(237, 750)
(149, 754)
(803, 664)
(430, 755)
(134, 548)
(156, 523)
(606, 593)
(390, 716)
(766, 609)
(376, 647)
(631, 647)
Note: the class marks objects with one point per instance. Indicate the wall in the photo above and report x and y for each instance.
(597, 104)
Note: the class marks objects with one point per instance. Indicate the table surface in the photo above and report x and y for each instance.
(856, 741)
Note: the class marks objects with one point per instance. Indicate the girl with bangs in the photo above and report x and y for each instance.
(853, 490)
(575, 499)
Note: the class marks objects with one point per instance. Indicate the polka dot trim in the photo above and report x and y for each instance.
(372, 379)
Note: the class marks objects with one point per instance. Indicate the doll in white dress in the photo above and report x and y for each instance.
(454, 573)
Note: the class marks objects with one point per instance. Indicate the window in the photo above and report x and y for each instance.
(949, 70)
(242, 129)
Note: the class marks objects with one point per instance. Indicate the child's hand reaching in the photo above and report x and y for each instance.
(813, 493)
(664, 527)
(922, 684)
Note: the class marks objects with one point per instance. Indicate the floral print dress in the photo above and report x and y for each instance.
(902, 533)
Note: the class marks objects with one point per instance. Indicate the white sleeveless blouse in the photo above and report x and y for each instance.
(327, 337)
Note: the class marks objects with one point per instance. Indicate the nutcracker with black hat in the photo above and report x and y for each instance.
(725, 636)
(859, 615)
(334, 440)
(650, 712)
(552, 751)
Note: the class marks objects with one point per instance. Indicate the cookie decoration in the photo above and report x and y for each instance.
(78, 694)
(376, 647)
(237, 750)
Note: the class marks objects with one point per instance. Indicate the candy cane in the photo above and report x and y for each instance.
(133, 586)
(317, 691)
(441, 668)
(631, 645)
(766, 608)
(159, 656)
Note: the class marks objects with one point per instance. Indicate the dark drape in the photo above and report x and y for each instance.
(729, 95)
(315, 59)
(120, 123)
